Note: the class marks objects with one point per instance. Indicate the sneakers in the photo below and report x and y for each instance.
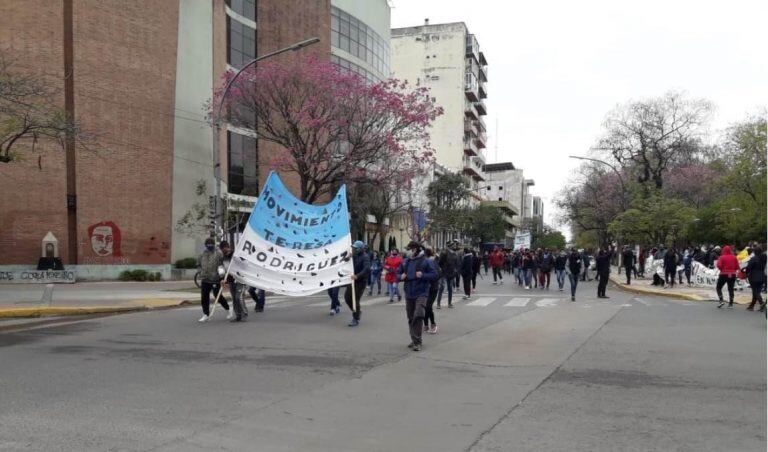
(425, 329)
(561, 289)
(730, 305)
(450, 305)
(438, 307)
(230, 314)
(236, 319)
(391, 300)
(432, 330)
(338, 309)
(464, 297)
(573, 298)
(411, 345)
(399, 298)
(501, 282)
(416, 347)
(722, 303)
(750, 308)
(204, 318)
(333, 313)
(353, 322)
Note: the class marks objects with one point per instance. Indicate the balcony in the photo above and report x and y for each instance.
(482, 59)
(470, 127)
(473, 168)
(483, 74)
(471, 87)
(481, 139)
(469, 110)
(470, 147)
(473, 48)
(483, 90)
(480, 107)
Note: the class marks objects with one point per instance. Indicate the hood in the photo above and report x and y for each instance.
(726, 250)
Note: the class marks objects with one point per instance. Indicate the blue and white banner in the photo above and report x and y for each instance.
(293, 248)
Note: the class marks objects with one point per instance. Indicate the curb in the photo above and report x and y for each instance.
(48, 311)
(670, 294)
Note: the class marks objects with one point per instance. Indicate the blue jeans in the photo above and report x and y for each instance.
(446, 282)
(560, 278)
(375, 280)
(393, 290)
(574, 282)
(258, 297)
(333, 292)
(527, 275)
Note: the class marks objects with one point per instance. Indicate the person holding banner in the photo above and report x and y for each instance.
(362, 271)
(416, 272)
(208, 263)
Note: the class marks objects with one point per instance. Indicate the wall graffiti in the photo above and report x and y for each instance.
(105, 239)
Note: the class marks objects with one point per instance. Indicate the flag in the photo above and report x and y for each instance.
(293, 248)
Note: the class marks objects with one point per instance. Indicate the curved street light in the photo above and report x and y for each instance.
(217, 122)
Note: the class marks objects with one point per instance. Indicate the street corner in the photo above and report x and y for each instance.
(642, 287)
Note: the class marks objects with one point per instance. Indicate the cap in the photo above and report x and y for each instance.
(358, 244)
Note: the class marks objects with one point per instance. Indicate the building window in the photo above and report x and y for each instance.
(246, 8)
(242, 164)
(241, 43)
(355, 37)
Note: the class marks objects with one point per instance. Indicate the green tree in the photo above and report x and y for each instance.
(448, 196)
(655, 219)
(486, 224)
(554, 240)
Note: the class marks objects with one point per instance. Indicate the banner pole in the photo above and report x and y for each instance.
(226, 274)
(354, 297)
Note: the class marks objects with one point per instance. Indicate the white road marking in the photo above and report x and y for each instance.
(547, 302)
(482, 301)
(373, 301)
(518, 302)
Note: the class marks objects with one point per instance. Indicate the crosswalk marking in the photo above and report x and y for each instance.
(547, 302)
(373, 301)
(518, 302)
(482, 301)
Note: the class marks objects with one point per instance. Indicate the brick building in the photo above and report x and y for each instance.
(138, 74)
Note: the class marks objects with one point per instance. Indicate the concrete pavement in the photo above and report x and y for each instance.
(522, 370)
(643, 286)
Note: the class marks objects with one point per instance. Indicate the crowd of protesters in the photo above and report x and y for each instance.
(427, 275)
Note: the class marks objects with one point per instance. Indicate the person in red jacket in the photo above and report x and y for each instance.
(728, 265)
(391, 267)
(497, 261)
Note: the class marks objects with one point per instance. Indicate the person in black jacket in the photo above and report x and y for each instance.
(362, 268)
(628, 258)
(574, 270)
(670, 266)
(756, 276)
(475, 269)
(467, 269)
(560, 261)
(603, 266)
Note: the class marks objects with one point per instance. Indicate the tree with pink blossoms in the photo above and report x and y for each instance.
(335, 126)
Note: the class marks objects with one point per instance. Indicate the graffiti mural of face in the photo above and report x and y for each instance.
(103, 240)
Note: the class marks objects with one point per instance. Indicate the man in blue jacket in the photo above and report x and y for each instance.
(416, 272)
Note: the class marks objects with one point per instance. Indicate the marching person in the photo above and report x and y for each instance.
(728, 265)
(585, 260)
(545, 269)
(391, 265)
(235, 288)
(431, 295)
(629, 262)
(376, 267)
(574, 270)
(670, 266)
(560, 263)
(756, 275)
(448, 262)
(475, 269)
(208, 264)
(467, 268)
(416, 272)
(497, 260)
(603, 266)
(361, 263)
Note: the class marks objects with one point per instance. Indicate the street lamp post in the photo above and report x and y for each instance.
(217, 125)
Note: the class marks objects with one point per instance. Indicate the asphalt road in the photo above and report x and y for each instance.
(503, 374)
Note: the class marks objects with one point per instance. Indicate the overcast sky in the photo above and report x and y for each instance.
(555, 68)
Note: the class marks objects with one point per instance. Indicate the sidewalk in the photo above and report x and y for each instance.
(643, 286)
(33, 300)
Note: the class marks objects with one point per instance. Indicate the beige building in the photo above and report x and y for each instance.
(447, 59)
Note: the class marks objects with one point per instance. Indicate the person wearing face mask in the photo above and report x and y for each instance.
(416, 272)
(391, 265)
(208, 263)
(361, 263)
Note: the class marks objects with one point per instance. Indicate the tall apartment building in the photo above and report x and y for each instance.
(138, 74)
(447, 59)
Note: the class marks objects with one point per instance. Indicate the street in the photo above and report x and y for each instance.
(512, 370)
